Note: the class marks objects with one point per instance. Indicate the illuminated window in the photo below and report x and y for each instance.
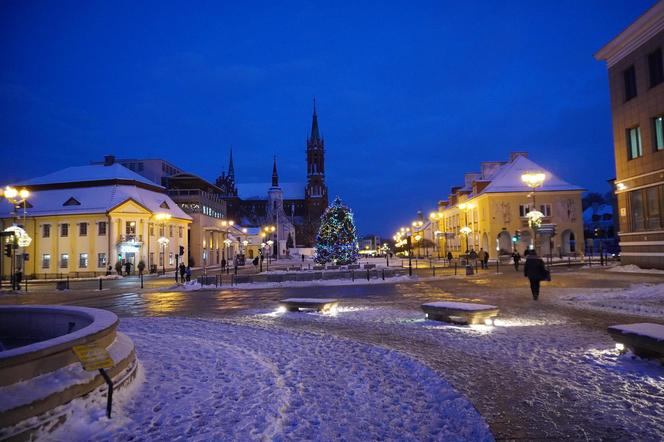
(46, 261)
(64, 260)
(83, 261)
(101, 260)
(634, 148)
(658, 132)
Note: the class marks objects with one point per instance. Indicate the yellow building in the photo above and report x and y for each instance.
(491, 212)
(84, 219)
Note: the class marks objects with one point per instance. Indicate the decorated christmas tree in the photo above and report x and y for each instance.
(337, 239)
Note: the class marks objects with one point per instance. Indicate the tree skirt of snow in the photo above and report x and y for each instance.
(208, 380)
(638, 299)
(631, 268)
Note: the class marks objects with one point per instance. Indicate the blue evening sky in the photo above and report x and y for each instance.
(410, 94)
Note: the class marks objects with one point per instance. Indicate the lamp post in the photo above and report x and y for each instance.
(417, 226)
(436, 217)
(466, 230)
(163, 241)
(262, 254)
(267, 232)
(534, 180)
(227, 224)
(18, 198)
(270, 243)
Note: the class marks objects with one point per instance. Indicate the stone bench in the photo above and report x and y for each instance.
(320, 305)
(460, 312)
(645, 339)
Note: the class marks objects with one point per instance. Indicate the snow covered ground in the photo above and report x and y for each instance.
(639, 300)
(553, 361)
(209, 380)
(631, 268)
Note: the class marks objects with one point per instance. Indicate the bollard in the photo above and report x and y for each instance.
(383, 274)
(475, 266)
(569, 261)
(434, 270)
(99, 284)
(26, 284)
(67, 282)
(352, 275)
(455, 268)
(497, 265)
(141, 280)
(368, 274)
(216, 281)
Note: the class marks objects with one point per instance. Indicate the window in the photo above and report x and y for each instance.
(546, 210)
(523, 210)
(658, 132)
(83, 261)
(170, 231)
(653, 209)
(46, 261)
(180, 230)
(64, 229)
(101, 228)
(130, 228)
(101, 260)
(46, 231)
(161, 230)
(83, 229)
(71, 202)
(655, 67)
(629, 76)
(151, 259)
(634, 149)
(151, 229)
(140, 167)
(64, 260)
(170, 259)
(636, 209)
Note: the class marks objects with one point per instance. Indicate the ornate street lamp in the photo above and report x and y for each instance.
(466, 230)
(534, 180)
(18, 198)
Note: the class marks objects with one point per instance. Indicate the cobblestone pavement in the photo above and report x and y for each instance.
(518, 380)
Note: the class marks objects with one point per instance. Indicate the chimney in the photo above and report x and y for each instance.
(109, 160)
(514, 155)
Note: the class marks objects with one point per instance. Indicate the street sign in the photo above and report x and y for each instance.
(92, 357)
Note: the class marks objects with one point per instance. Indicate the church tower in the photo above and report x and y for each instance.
(277, 217)
(226, 182)
(315, 195)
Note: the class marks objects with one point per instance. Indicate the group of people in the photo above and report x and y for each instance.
(185, 273)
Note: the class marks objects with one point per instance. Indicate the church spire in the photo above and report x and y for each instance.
(231, 169)
(315, 133)
(275, 175)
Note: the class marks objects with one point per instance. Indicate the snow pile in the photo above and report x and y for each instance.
(631, 268)
(638, 300)
(208, 380)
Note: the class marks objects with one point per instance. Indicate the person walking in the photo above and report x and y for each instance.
(223, 263)
(449, 258)
(128, 268)
(486, 260)
(517, 259)
(536, 272)
(183, 270)
(188, 273)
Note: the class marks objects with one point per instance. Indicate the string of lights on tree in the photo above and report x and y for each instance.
(336, 241)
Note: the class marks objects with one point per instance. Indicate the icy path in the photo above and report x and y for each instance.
(537, 377)
(208, 380)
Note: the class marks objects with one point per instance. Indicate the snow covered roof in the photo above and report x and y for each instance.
(258, 191)
(95, 199)
(508, 178)
(91, 172)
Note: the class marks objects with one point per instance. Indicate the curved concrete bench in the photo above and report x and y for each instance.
(644, 339)
(320, 305)
(39, 371)
(460, 312)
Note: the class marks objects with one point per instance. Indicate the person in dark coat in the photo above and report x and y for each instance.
(183, 270)
(535, 271)
(128, 268)
(517, 259)
(223, 263)
(187, 272)
(449, 256)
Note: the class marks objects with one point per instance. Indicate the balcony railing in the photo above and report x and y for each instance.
(131, 238)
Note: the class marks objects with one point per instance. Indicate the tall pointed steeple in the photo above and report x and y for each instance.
(231, 169)
(315, 133)
(275, 175)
